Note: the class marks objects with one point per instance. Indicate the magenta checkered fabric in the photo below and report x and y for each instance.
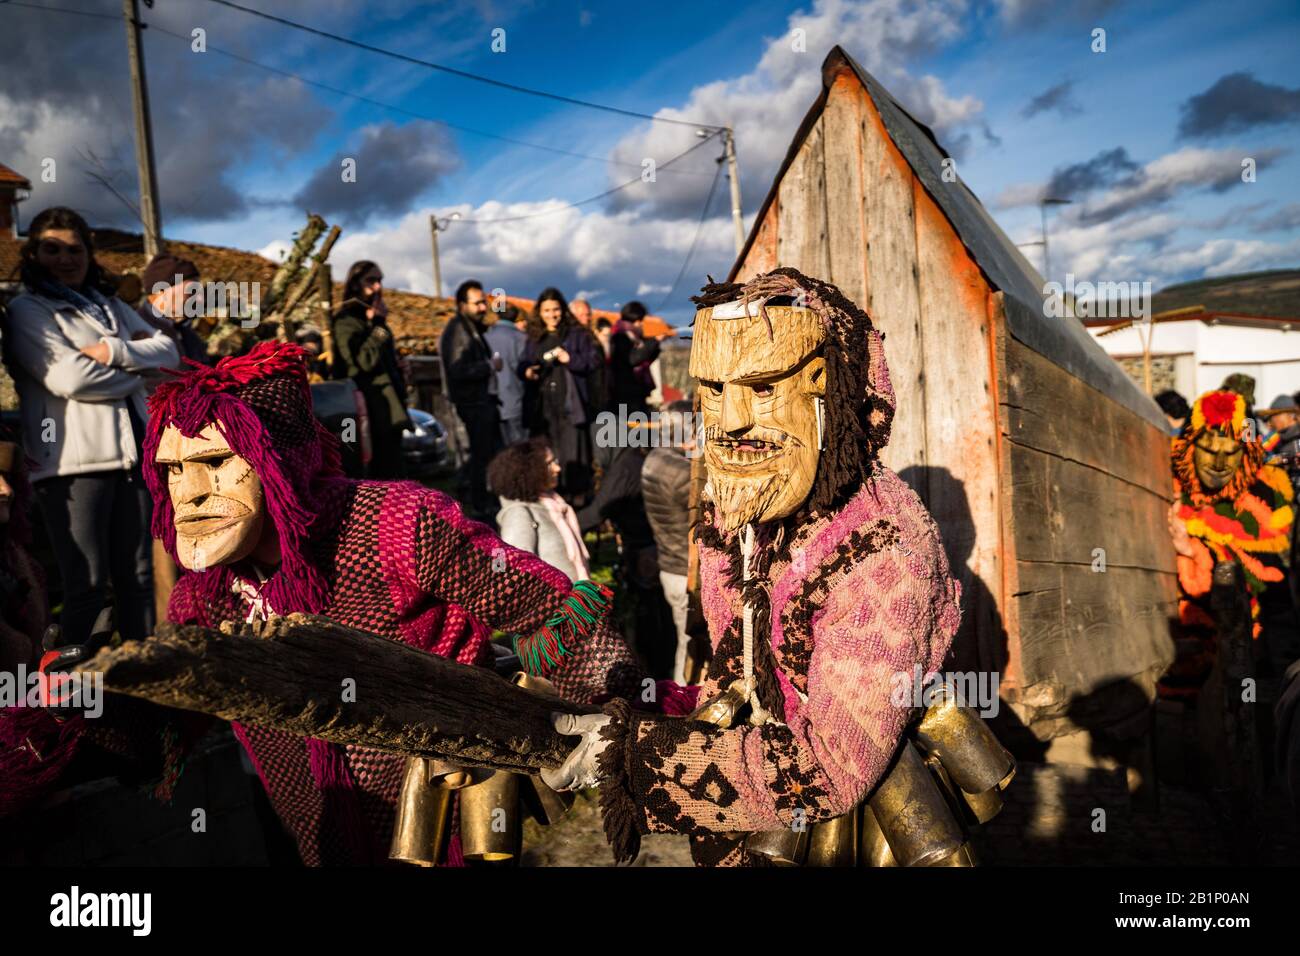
(403, 562)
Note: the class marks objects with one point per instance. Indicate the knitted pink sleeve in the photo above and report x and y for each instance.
(895, 609)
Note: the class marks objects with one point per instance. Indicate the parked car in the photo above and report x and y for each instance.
(342, 409)
(424, 448)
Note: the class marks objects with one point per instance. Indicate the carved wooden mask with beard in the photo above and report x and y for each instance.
(216, 496)
(759, 399)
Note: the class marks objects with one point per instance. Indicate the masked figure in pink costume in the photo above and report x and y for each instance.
(822, 576)
(251, 501)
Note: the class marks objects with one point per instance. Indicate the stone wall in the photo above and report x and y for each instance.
(1162, 371)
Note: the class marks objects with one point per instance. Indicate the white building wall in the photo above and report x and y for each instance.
(1206, 354)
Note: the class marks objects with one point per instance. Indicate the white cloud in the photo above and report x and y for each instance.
(604, 257)
(765, 105)
(275, 250)
(1180, 171)
(1145, 247)
(1019, 194)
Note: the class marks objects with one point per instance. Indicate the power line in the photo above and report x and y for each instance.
(590, 199)
(401, 109)
(463, 74)
(582, 202)
(350, 95)
(80, 13)
(704, 215)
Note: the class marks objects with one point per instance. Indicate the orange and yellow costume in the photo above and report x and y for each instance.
(1248, 520)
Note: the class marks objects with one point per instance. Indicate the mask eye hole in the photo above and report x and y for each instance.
(712, 386)
(763, 389)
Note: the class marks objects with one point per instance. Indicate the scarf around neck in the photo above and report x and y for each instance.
(566, 523)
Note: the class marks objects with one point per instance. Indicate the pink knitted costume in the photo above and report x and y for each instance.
(844, 600)
(395, 559)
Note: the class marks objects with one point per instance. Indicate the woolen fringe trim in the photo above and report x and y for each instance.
(34, 751)
(540, 652)
(623, 819)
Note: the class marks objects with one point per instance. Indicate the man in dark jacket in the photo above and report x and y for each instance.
(630, 355)
(364, 352)
(469, 368)
(666, 490)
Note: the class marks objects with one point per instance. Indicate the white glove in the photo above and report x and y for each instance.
(580, 769)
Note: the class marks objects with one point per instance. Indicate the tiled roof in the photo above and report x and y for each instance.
(10, 178)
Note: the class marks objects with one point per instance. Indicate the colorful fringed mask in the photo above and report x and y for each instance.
(1214, 460)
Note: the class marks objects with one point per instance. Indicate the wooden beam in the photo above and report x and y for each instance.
(801, 227)
(892, 296)
(961, 417)
(315, 678)
(842, 150)
(1065, 511)
(1047, 408)
(1082, 630)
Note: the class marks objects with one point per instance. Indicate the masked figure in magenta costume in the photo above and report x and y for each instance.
(251, 501)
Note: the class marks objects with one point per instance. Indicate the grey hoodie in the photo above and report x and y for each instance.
(74, 409)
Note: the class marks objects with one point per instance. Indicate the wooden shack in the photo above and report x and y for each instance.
(1045, 467)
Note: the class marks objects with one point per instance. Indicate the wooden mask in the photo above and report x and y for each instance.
(761, 394)
(1216, 458)
(216, 497)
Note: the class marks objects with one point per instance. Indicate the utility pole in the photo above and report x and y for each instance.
(436, 226)
(1042, 209)
(149, 215)
(437, 266)
(733, 173)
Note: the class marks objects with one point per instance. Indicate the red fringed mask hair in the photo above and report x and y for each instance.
(261, 403)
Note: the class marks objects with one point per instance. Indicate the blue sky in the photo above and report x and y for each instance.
(241, 150)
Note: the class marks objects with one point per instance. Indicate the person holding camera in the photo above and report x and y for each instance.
(364, 352)
(559, 360)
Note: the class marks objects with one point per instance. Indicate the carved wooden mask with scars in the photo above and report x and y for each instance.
(760, 401)
(217, 499)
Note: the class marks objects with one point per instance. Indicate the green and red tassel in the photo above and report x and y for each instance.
(582, 610)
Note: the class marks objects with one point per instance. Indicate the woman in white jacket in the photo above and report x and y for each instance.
(76, 353)
(533, 517)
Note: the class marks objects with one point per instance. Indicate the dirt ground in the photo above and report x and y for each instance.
(578, 840)
(1051, 818)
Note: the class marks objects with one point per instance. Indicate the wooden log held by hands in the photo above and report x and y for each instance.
(314, 678)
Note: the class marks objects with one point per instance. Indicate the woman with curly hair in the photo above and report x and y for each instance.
(559, 360)
(532, 516)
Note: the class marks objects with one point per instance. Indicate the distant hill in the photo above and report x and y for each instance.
(1275, 293)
